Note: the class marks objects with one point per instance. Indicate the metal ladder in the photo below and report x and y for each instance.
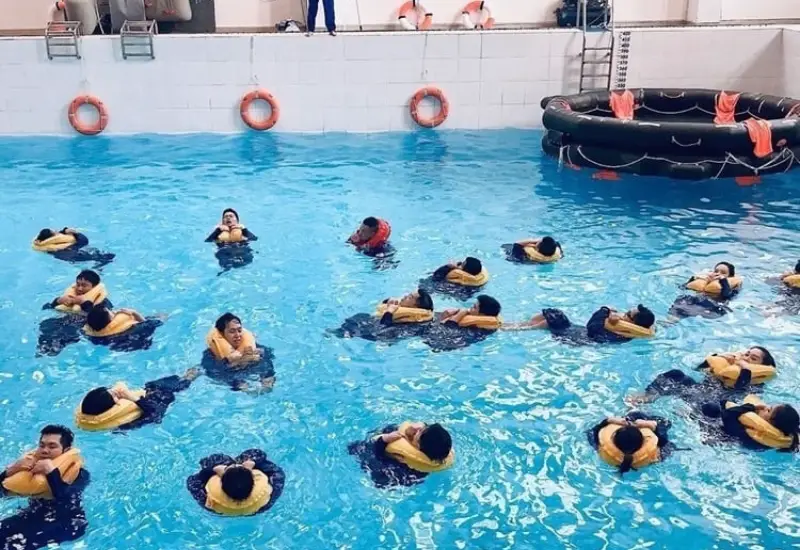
(136, 38)
(598, 55)
(61, 39)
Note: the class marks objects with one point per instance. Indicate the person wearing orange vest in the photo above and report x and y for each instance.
(372, 236)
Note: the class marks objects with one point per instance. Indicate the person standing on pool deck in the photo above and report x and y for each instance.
(330, 16)
(46, 520)
(605, 326)
(714, 289)
(68, 245)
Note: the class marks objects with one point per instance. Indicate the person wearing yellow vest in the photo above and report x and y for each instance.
(545, 250)
(756, 425)
(606, 325)
(69, 245)
(792, 278)
(53, 477)
(405, 454)
(461, 280)
(459, 328)
(394, 319)
(120, 330)
(713, 290)
(243, 486)
(232, 240)
(233, 356)
(632, 442)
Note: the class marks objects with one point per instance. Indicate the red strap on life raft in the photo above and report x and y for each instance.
(761, 135)
(622, 103)
(726, 108)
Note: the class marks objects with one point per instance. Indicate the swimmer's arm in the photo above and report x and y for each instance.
(383, 441)
(388, 318)
(247, 234)
(730, 418)
(456, 317)
(80, 238)
(214, 234)
(744, 379)
(138, 317)
(725, 285)
(597, 322)
(62, 490)
(594, 434)
(529, 242)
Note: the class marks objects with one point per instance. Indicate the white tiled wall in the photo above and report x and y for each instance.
(357, 82)
(791, 61)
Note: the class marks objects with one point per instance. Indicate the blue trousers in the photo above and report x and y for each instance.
(330, 16)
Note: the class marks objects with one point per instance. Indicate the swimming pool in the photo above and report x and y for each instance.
(517, 404)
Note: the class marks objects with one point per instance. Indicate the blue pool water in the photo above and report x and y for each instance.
(517, 404)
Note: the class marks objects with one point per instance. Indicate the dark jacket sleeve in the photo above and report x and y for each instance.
(64, 491)
(745, 376)
(594, 433)
(3, 491)
(730, 419)
(380, 447)
(441, 273)
(249, 235)
(596, 329)
(214, 234)
(387, 319)
(81, 240)
(726, 291)
(277, 478)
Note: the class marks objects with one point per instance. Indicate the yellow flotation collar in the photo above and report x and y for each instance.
(627, 329)
(485, 322)
(713, 288)
(96, 295)
(59, 241)
(720, 368)
(234, 236)
(647, 454)
(461, 277)
(407, 314)
(121, 322)
(404, 452)
(27, 484)
(123, 412)
(217, 501)
(792, 280)
(535, 256)
(221, 349)
(759, 429)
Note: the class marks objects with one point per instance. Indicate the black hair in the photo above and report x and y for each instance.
(232, 211)
(223, 321)
(98, 318)
(547, 246)
(371, 222)
(644, 317)
(786, 419)
(768, 359)
(472, 265)
(731, 268)
(90, 276)
(797, 267)
(435, 442)
(57, 429)
(488, 306)
(424, 301)
(237, 482)
(44, 234)
(628, 439)
(97, 401)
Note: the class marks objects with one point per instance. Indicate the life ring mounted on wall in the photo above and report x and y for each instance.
(424, 17)
(482, 14)
(83, 127)
(444, 107)
(247, 116)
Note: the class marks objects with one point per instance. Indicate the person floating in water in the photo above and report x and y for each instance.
(714, 290)
(461, 280)
(70, 246)
(633, 442)
(395, 318)
(404, 454)
(54, 478)
(234, 358)
(78, 299)
(232, 241)
(243, 486)
(789, 288)
(372, 239)
(120, 408)
(534, 251)
(458, 328)
(605, 326)
(756, 425)
(120, 330)
(792, 278)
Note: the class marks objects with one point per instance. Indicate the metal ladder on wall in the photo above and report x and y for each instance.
(597, 50)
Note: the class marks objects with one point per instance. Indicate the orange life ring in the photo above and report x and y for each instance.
(485, 19)
(424, 17)
(83, 128)
(433, 121)
(264, 124)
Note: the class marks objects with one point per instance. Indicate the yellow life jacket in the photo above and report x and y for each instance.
(486, 322)
(217, 501)
(121, 322)
(792, 280)
(221, 349)
(404, 452)
(720, 368)
(235, 236)
(59, 241)
(96, 295)
(27, 484)
(713, 288)
(647, 454)
(123, 412)
(627, 329)
(461, 277)
(759, 429)
(535, 256)
(407, 314)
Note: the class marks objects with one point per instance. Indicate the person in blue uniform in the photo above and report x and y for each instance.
(77, 252)
(46, 521)
(596, 330)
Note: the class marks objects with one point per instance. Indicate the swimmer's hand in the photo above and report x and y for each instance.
(743, 364)
(24, 464)
(219, 470)
(69, 231)
(70, 300)
(249, 464)
(392, 308)
(614, 318)
(43, 467)
(646, 424)
(617, 421)
(133, 313)
(392, 437)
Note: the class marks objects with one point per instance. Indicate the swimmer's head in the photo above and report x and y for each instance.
(486, 305)
(98, 318)
(237, 482)
(86, 281)
(471, 265)
(786, 419)
(417, 299)
(230, 217)
(758, 356)
(726, 269)
(547, 246)
(97, 401)
(45, 234)
(230, 326)
(641, 316)
(628, 439)
(54, 440)
(434, 441)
